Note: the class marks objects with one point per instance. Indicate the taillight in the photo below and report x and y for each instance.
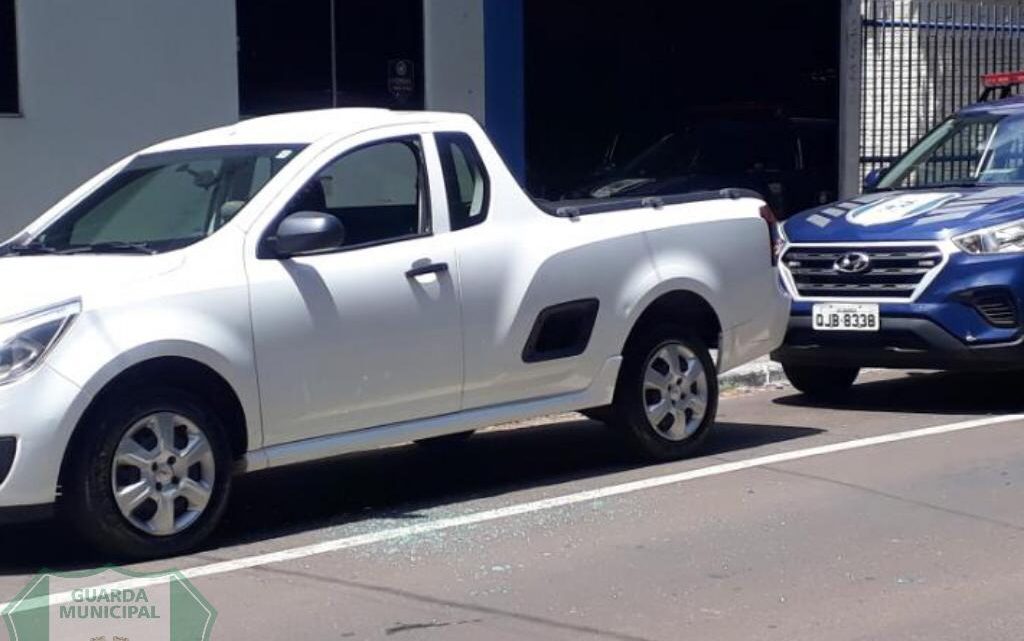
(775, 235)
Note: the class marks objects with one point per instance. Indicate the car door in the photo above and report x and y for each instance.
(369, 334)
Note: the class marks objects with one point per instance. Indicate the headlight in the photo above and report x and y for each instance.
(783, 240)
(26, 339)
(1003, 239)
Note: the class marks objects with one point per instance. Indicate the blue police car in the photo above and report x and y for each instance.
(925, 270)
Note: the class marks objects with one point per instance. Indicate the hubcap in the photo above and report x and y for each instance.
(675, 392)
(163, 474)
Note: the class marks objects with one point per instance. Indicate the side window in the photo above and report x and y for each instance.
(465, 180)
(377, 192)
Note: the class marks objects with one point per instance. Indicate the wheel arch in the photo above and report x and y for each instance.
(682, 307)
(176, 371)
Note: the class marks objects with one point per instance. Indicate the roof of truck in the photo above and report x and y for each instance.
(304, 127)
(1012, 105)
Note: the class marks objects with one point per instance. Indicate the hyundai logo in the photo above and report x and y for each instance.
(853, 263)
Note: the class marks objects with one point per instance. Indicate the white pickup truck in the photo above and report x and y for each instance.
(296, 287)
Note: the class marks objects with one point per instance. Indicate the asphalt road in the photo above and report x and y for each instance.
(837, 538)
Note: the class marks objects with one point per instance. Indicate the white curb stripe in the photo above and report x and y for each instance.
(381, 536)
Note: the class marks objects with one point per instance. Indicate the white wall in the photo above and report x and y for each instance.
(101, 78)
(454, 56)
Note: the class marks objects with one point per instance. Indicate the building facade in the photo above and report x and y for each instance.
(565, 87)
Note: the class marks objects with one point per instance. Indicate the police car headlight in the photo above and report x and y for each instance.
(26, 340)
(783, 236)
(1003, 239)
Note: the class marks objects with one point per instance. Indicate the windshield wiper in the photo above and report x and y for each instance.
(113, 247)
(950, 185)
(30, 249)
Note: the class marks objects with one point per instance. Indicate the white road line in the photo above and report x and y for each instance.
(381, 536)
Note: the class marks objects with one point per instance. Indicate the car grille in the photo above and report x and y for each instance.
(891, 272)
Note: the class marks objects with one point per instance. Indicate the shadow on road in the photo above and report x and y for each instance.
(397, 482)
(928, 393)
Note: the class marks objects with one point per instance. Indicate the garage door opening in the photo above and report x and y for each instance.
(319, 54)
(637, 98)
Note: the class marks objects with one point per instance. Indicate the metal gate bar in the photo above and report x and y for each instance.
(923, 60)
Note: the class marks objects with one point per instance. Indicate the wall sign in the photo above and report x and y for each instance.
(401, 79)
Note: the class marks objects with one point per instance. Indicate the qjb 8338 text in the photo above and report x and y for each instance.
(846, 317)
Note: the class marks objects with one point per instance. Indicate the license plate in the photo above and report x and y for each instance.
(846, 317)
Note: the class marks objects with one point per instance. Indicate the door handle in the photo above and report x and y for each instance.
(432, 268)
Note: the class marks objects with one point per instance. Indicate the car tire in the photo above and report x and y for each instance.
(819, 381)
(446, 441)
(666, 398)
(163, 451)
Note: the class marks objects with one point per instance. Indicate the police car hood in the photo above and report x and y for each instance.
(908, 215)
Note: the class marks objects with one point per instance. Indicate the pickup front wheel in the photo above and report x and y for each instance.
(667, 396)
(152, 475)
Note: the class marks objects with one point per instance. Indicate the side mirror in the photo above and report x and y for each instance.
(873, 178)
(305, 232)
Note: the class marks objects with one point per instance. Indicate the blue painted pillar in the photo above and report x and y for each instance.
(504, 81)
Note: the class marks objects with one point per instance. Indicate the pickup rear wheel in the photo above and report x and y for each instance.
(821, 382)
(667, 395)
(153, 476)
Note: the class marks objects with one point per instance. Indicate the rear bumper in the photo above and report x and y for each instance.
(759, 336)
(901, 343)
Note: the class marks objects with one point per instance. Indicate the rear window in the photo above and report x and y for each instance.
(465, 180)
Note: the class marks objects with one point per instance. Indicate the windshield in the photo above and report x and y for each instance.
(976, 150)
(163, 201)
(716, 148)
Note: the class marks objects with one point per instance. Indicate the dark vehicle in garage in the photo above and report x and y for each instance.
(785, 159)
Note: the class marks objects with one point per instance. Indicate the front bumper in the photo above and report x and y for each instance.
(901, 343)
(944, 328)
(38, 415)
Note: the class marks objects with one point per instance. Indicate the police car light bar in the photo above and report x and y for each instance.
(1008, 79)
(1000, 85)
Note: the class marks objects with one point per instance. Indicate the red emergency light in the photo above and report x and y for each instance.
(1000, 85)
(1004, 79)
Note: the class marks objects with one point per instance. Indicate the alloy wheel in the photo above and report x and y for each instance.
(163, 474)
(675, 391)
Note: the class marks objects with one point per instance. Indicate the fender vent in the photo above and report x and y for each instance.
(561, 331)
